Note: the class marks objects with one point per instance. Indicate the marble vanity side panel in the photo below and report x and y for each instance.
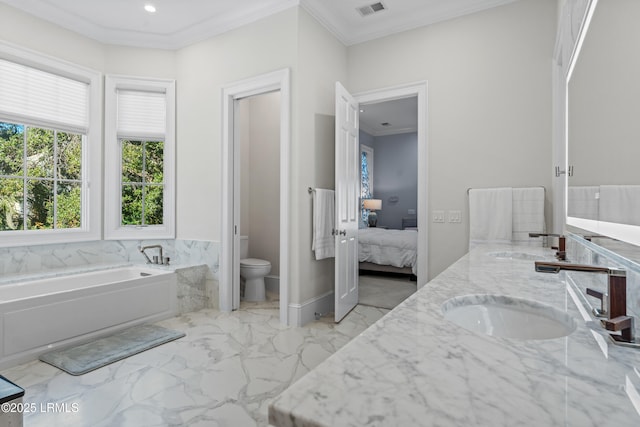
(580, 253)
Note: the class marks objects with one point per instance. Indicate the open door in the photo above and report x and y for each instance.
(347, 203)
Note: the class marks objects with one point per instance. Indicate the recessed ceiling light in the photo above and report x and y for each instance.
(150, 8)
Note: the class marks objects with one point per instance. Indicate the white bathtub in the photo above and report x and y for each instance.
(38, 315)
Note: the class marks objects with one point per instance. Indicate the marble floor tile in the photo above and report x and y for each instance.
(224, 372)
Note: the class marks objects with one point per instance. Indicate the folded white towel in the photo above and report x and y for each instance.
(490, 215)
(620, 204)
(582, 202)
(323, 219)
(528, 213)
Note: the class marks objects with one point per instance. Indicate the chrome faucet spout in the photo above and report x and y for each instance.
(144, 248)
(555, 267)
(613, 304)
(141, 249)
(561, 253)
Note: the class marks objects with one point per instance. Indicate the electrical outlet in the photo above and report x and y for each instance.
(438, 216)
(455, 216)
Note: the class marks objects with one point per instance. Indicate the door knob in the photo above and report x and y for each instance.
(343, 232)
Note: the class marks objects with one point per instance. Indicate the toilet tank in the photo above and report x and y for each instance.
(244, 247)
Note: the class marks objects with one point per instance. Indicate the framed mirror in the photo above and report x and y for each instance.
(603, 124)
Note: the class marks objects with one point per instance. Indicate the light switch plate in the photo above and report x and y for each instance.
(455, 216)
(438, 216)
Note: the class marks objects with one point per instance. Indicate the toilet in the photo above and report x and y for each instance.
(252, 270)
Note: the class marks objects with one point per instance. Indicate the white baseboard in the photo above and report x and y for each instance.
(301, 314)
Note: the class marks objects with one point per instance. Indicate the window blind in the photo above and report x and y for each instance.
(42, 98)
(141, 113)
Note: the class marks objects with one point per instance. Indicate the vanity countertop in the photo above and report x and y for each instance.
(414, 368)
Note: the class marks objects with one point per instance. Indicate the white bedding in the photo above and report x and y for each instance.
(388, 247)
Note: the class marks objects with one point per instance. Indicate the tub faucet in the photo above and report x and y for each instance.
(561, 249)
(156, 259)
(613, 304)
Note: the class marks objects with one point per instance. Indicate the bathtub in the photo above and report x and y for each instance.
(39, 315)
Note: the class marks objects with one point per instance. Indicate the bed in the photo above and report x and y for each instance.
(394, 251)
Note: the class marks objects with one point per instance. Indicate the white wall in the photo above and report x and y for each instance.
(489, 104)
(33, 33)
(42, 36)
(202, 70)
(259, 119)
(322, 61)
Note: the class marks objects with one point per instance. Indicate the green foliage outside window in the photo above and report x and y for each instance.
(48, 164)
(142, 182)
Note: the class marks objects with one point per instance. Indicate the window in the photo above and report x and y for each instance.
(50, 165)
(140, 164)
(366, 181)
(44, 168)
(142, 182)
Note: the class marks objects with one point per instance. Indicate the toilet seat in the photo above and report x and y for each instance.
(253, 263)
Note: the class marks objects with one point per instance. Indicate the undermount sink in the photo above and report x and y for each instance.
(515, 255)
(508, 317)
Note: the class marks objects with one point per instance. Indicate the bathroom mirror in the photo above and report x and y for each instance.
(603, 194)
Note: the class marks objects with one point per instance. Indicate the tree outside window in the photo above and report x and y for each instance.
(43, 167)
(142, 182)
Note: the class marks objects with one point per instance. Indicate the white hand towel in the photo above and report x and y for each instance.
(528, 213)
(490, 215)
(582, 202)
(323, 218)
(620, 204)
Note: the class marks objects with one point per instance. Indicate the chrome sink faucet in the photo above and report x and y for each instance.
(613, 304)
(160, 260)
(561, 249)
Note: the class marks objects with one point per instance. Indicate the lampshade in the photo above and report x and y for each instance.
(373, 204)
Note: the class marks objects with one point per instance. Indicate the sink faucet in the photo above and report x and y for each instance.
(613, 303)
(561, 249)
(156, 260)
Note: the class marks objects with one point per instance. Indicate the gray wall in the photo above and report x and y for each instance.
(395, 176)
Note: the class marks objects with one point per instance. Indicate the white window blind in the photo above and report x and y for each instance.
(141, 113)
(42, 98)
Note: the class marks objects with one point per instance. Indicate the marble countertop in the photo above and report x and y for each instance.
(414, 368)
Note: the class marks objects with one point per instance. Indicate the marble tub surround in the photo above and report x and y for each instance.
(224, 372)
(413, 367)
(196, 289)
(44, 259)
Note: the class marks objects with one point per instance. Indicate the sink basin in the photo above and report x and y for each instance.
(515, 255)
(508, 317)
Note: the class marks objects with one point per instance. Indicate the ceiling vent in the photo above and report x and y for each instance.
(371, 9)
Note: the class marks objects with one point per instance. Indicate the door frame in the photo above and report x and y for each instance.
(275, 81)
(420, 90)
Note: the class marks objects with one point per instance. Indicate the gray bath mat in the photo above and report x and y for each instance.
(86, 357)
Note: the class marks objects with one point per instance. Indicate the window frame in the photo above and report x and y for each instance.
(113, 228)
(91, 211)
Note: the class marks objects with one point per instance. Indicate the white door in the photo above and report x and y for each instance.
(347, 203)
